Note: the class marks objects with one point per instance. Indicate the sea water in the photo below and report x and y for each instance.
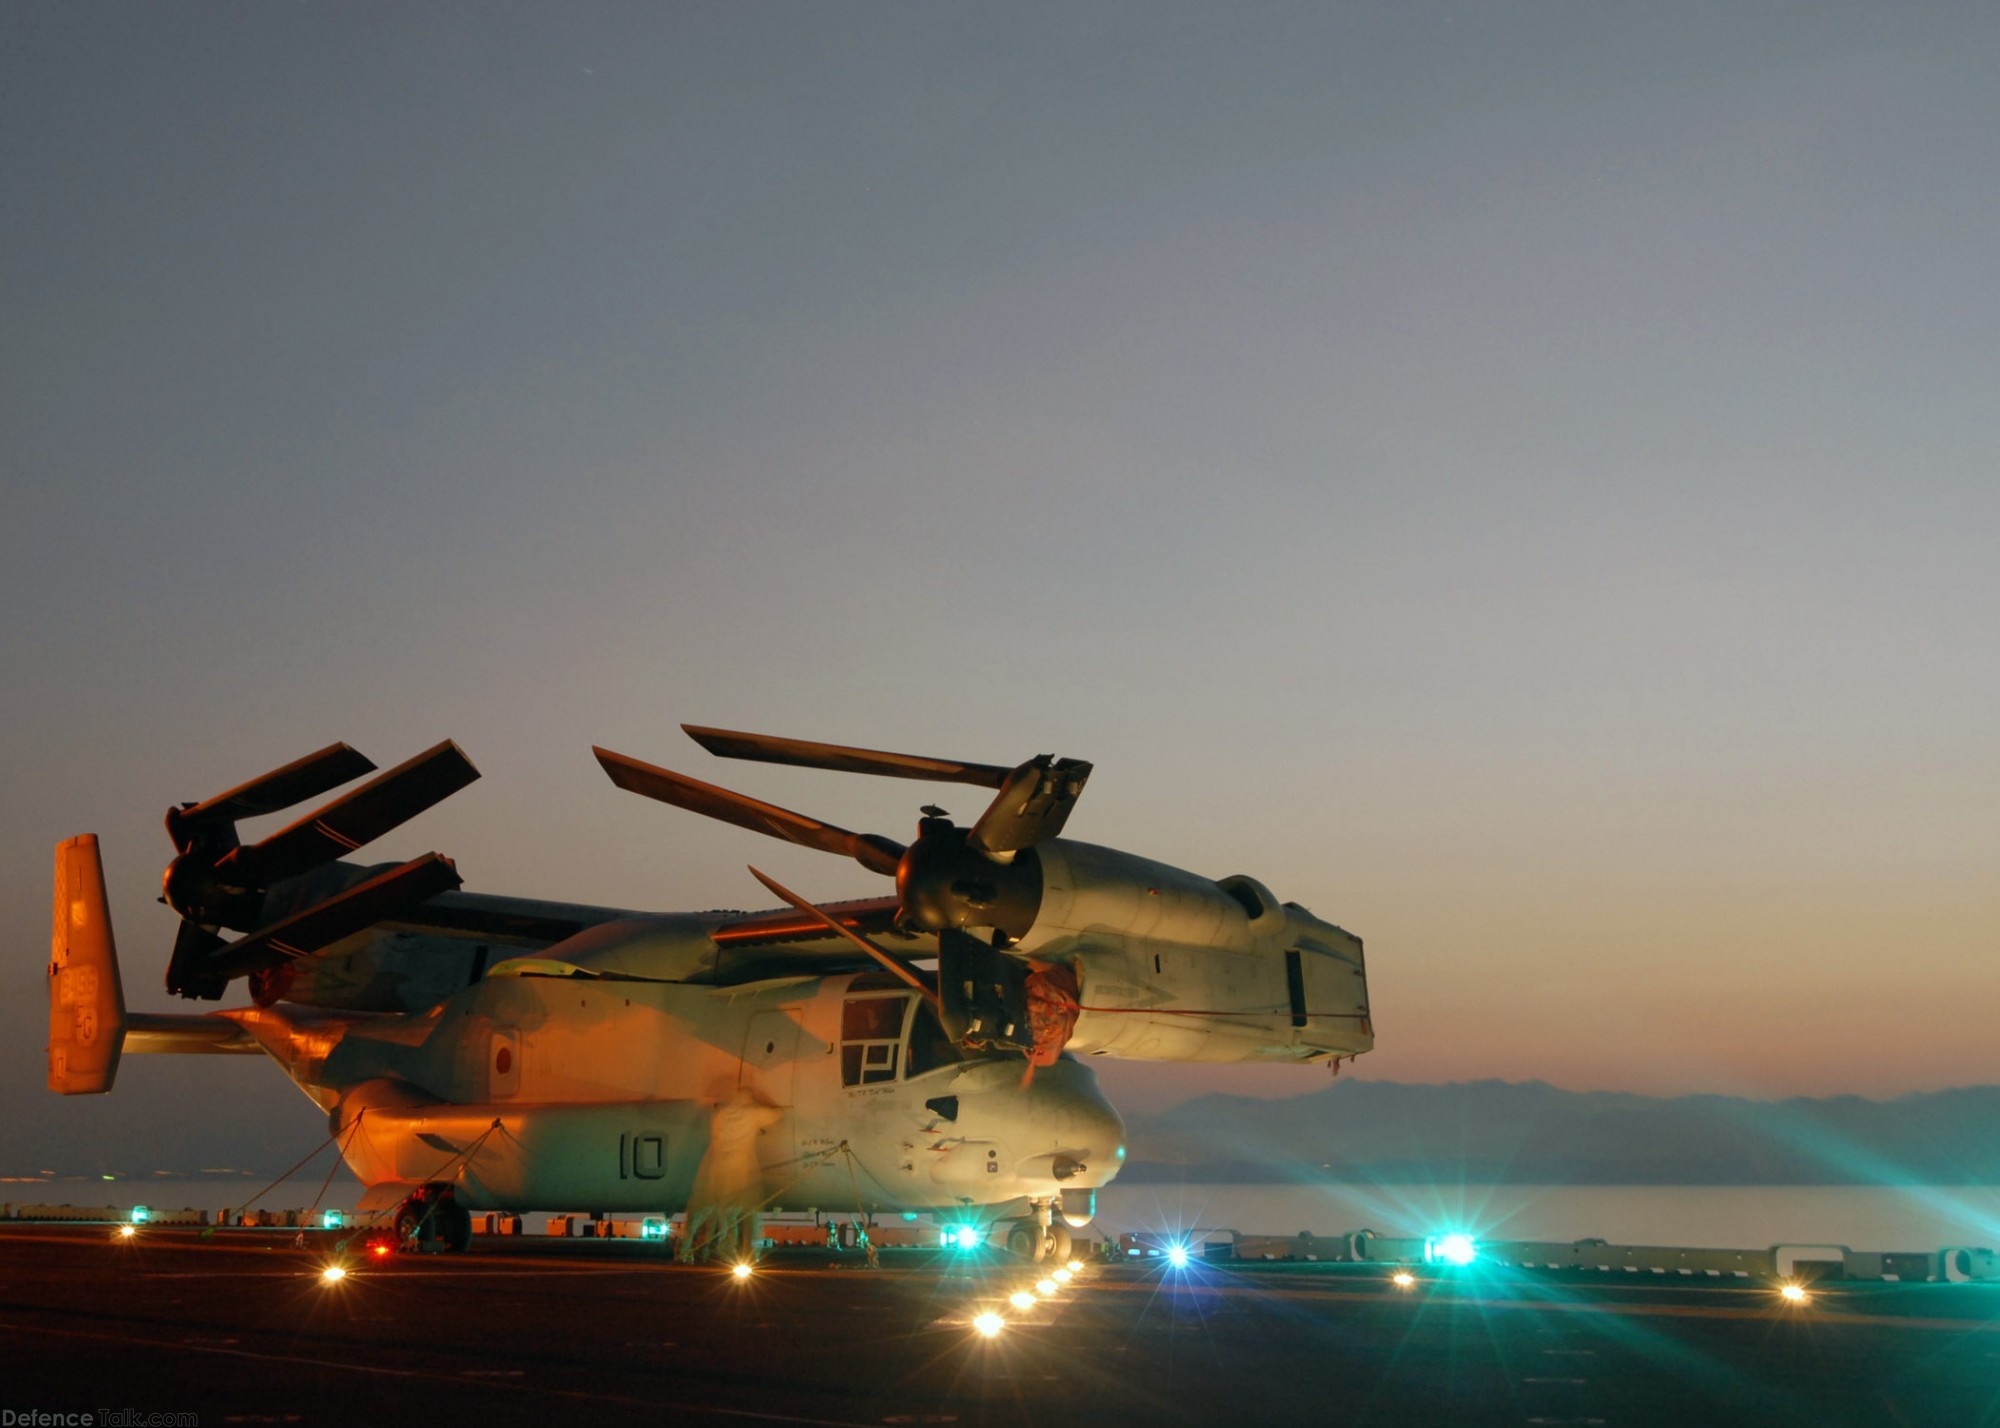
(1916, 1217)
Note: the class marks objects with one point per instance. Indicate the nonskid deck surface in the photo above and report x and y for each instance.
(238, 1326)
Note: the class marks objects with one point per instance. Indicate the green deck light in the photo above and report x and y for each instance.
(1458, 1249)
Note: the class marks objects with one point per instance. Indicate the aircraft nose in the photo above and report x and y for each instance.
(1091, 1135)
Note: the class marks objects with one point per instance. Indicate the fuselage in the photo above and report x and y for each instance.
(604, 1042)
(605, 1090)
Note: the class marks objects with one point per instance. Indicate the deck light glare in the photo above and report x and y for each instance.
(1456, 1249)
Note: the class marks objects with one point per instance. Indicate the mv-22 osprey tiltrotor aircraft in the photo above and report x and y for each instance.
(916, 1052)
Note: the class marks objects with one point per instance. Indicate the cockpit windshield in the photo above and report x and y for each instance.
(871, 1038)
(887, 1036)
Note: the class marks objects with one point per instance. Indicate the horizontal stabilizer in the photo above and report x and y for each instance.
(165, 1034)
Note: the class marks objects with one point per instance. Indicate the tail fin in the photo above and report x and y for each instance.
(86, 1002)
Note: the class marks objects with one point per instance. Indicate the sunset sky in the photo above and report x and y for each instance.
(1522, 480)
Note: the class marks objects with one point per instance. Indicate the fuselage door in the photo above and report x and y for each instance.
(769, 1070)
(771, 1056)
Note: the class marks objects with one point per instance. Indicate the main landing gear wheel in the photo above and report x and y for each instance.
(1024, 1240)
(1058, 1242)
(432, 1219)
(411, 1222)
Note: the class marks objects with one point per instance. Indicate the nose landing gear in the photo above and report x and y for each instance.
(1045, 1237)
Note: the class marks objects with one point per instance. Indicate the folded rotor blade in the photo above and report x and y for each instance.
(1032, 805)
(354, 818)
(894, 964)
(769, 749)
(355, 910)
(297, 781)
(875, 853)
(188, 973)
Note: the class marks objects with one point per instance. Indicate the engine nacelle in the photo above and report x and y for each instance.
(1177, 967)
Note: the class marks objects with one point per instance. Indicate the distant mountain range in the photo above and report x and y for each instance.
(189, 1118)
(1498, 1132)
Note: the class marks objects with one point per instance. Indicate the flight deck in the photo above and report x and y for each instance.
(245, 1326)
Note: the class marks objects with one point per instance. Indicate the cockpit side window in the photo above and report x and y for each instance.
(930, 1048)
(871, 1038)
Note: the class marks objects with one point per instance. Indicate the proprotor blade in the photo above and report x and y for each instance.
(767, 748)
(877, 854)
(297, 781)
(354, 818)
(889, 960)
(1032, 805)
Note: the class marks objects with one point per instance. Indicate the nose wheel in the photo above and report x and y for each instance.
(1036, 1243)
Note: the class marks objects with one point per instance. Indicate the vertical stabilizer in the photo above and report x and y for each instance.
(86, 1002)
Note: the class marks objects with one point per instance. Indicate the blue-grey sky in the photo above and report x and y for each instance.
(1519, 479)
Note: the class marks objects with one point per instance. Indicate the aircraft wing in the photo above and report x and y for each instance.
(752, 947)
(872, 916)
